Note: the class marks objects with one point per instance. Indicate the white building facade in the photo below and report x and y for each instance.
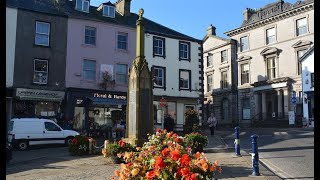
(176, 64)
(307, 62)
(270, 42)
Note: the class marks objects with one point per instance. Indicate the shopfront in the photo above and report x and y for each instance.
(105, 110)
(37, 103)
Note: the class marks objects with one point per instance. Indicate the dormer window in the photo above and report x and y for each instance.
(82, 5)
(109, 11)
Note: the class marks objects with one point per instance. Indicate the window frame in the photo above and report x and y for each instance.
(83, 6)
(126, 74)
(108, 11)
(211, 85)
(224, 59)
(274, 67)
(189, 80)
(208, 57)
(95, 69)
(34, 70)
(242, 73)
(224, 84)
(163, 78)
(163, 47)
(275, 36)
(297, 28)
(299, 65)
(241, 44)
(124, 34)
(91, 28)
(188, 58)
(48, 35)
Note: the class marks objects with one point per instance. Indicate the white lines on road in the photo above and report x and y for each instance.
(275, 169)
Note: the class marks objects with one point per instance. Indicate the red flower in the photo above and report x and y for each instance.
(178, 140)
(185, 160)
(158, 130)
(75, 141)
(164, 152)
(150, 174)
(174, 135)
(192, 177)
(159, 162)
(175, 155)
(170, 134)
(122, 143)
(185, 171)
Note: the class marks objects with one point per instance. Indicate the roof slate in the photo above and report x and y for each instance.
(67, 8)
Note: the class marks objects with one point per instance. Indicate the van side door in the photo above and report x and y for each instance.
(53, 133)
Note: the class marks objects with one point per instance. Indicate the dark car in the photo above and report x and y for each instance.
(8, 152)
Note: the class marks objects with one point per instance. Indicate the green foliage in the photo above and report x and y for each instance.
(196, 141)
(191, 121)
(115, 148)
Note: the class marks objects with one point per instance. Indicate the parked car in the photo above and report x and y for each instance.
(25, 132)
(8, 152)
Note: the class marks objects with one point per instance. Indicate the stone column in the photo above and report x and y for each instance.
(280, 96)
(263, 105)
(257, 103)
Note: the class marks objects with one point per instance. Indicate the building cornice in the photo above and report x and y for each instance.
(275, 18)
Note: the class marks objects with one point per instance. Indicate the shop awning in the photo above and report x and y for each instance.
(40, 99)
(107, 101)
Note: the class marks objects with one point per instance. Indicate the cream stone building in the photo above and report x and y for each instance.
(270, 41)
(220, 77)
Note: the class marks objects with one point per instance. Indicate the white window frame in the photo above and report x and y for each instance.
(299, 65)
(210, 57)
(241, 44)
(242, 73)
(211, 84)
(42, 34)
(224, 59)
(95, 37)
(156, 75)
(189, 80)
(157, 46)
(274, 68)
(184, 45)
(297, 28)
(126, 74)
(224, 84)
(106, 11)
(34, 71)
(126, 42)
(83, 7)
(268, 37)
(95, 69)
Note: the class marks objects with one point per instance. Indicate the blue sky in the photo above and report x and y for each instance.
(194, 17)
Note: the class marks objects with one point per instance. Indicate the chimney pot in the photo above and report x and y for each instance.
(211, 30)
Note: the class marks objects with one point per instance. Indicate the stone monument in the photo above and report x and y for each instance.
(140, 96)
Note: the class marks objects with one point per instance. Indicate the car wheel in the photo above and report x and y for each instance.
(69, 140)
(23, 145)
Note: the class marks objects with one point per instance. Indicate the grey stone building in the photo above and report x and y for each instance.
(39, 63)
(220, 77)
(270, 42)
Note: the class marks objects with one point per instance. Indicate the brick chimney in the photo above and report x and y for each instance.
(211, 30)
(248, 13)
(123, 7)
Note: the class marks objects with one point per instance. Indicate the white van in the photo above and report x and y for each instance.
(24, 132)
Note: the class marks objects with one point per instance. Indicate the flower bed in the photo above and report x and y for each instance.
(196, 141)
(116, 150)
(166, 156)
(80, 145)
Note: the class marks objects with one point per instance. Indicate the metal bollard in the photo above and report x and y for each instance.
(237, 141)
(255, 156)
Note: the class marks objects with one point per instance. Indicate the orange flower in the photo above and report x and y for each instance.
(185, 160)
(164, 152)
(197, 155)
(150, 148)
(159, 162)
(212, 168)
(175, 155)
(216, 163)
(170, 134)
(185, 171)
(205, 167)
(150, 174)
(117, 172)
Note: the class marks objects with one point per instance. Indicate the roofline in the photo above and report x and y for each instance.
(274, 18)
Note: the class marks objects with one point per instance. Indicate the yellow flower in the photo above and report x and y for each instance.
(135, 171)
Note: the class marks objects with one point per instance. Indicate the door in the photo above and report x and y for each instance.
(53, 134)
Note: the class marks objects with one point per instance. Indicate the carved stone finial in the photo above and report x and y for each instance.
(141, 11)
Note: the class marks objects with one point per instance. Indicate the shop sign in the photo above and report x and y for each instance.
(39, 94)
(109, 96)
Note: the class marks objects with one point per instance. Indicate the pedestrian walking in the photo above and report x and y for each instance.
(212, 121)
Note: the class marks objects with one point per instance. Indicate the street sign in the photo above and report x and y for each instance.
(163, 102)
(293, 100)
